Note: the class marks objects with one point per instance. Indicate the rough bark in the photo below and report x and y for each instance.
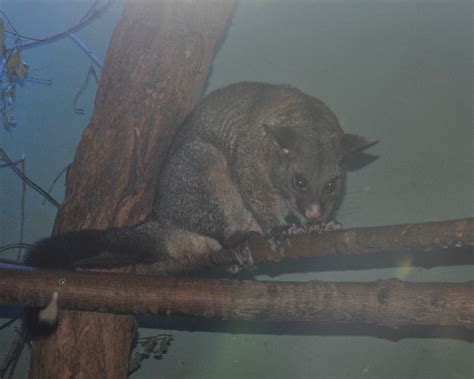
(154, 73)
(426, 238)
(454, 238)
(391, 303)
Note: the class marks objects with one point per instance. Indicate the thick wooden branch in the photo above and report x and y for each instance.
(408, 238)
(456, 236)
(154, 73)
(391, 303)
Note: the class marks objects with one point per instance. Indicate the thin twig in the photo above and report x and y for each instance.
(89, 16)
(7, 368)
(16, 246)
(22, 210)
(27, 180)
(55, 180)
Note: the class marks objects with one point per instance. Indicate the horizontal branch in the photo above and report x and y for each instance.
(455, 236)
(391, 303)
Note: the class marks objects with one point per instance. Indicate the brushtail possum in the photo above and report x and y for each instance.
(251, 157)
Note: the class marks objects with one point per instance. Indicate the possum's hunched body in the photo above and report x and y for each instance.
(249, 158)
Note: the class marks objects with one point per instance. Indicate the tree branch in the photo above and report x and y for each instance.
(427, 238)
(391, 303)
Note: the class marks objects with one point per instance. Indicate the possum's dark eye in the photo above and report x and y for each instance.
(331, 185)
(300, 183)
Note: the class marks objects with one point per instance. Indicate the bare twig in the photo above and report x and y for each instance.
(27, 180)
(22, 209)
(7, 368)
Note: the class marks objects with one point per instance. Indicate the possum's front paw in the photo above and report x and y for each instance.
(332, 225)
(319, 227)
(293, 229)
(278, 238)
(323, 227)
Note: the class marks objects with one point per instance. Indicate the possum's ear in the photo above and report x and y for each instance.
(283, 137)
(354, 157)
(353, 143)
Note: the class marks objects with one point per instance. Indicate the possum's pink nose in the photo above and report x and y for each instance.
(313, 212)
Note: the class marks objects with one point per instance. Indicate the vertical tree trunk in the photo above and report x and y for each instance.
(154, 73)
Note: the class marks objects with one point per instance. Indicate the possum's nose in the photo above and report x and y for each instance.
(313, 212)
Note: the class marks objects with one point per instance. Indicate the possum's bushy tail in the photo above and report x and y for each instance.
(108, 248)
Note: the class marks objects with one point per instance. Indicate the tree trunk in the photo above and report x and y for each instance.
(154, 73)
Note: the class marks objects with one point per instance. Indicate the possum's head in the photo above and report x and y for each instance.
(307, 167)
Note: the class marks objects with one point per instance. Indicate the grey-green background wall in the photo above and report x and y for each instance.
(397, 71)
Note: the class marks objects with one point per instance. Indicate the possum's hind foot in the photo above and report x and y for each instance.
(242, 255)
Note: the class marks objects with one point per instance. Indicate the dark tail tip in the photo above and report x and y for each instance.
(109, 248)
(64, 250)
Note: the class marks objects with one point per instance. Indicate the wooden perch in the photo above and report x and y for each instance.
(407, 238)
(391, 303)
(426, 238)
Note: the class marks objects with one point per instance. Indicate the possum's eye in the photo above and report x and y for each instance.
(331, 185)
(300, 183)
